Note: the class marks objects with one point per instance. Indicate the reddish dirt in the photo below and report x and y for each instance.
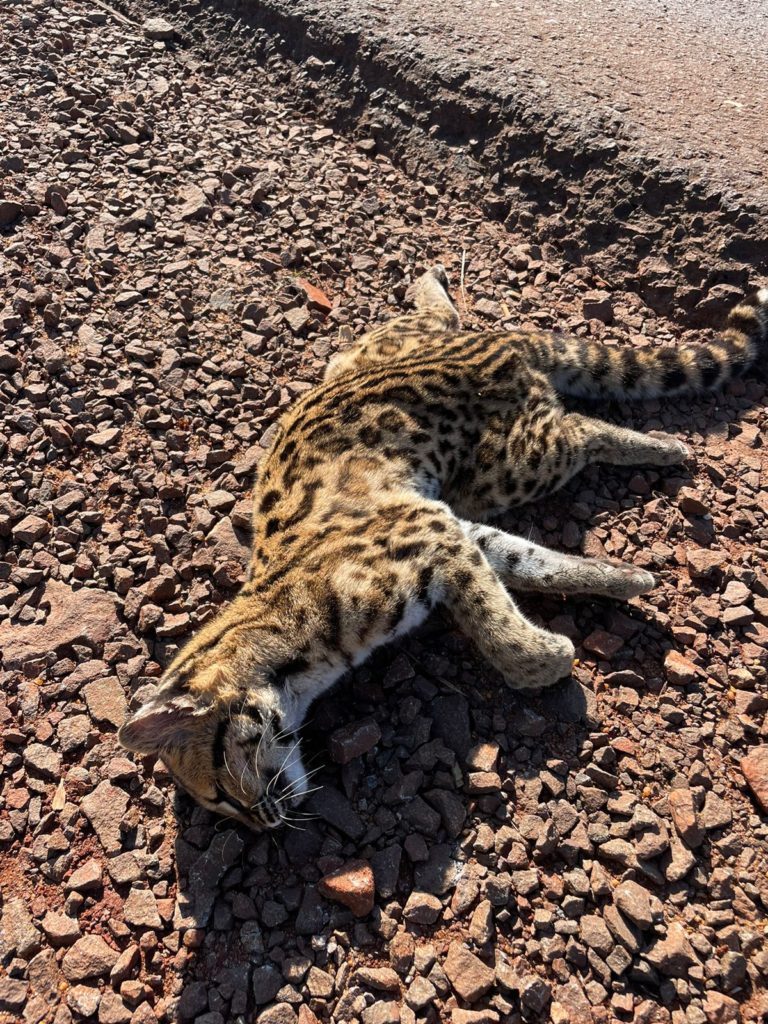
(187, 338)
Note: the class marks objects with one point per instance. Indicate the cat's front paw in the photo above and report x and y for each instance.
(548, 666)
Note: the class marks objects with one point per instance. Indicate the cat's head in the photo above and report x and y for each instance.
(238, 758)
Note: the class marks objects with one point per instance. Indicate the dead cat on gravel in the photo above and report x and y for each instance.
(367, 514)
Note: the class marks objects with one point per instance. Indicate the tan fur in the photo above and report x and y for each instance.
(366, 513)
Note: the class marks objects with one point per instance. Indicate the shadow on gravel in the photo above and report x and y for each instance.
(434, 808)
(462, 799)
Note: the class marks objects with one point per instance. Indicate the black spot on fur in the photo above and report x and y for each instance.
(673, 378)
(332, 620)
(601, 365)
(425, 578)
(269, 501)
(710, 370)
(351, 414)
(631, 370)
(396, 615)
(390, 420)
(403, 551)
(370, 436)
(287, 450)
(291, 668)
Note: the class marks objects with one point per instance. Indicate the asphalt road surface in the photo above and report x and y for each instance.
(686, 79)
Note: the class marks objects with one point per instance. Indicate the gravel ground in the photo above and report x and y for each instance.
(685, 80)
(595, 854)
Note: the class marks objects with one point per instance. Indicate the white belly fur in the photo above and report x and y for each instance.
(306, 687)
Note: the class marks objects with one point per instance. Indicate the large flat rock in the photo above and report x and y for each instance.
(85, 616)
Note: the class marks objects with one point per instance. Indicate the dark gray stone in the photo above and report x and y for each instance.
(334, 808)
(440, 873)
(450, 714)
(208, 870)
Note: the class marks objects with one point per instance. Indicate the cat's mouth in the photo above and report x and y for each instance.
(267, 813)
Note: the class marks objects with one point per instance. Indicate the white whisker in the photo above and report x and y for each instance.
(258, 746)
(291, 752)
(288, 824)
(305, 778)
(290, 790)
(226, 765)
(312, 789)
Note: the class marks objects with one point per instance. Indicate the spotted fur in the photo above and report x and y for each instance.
(369, 510)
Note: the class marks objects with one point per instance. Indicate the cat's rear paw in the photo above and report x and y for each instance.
(430, 289)
(628, 581)
(670, 451)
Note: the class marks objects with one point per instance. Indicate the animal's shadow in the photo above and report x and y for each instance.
(464, 798)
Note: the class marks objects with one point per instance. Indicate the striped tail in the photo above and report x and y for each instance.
(587, 369)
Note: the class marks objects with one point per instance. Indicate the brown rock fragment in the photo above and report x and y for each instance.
(683, 811)
(702, 563)
(755, 769)
(603, 643)
(90, 957)
(468, 975)
(76, 616)
(422, 908)
(597, 305)
(353, 740)
(680, 670)
(60, 929)
(19, 934)
(140, 909)
(384, 979)
(350, 885)
(673, 955)
(315, 296)
(9, 211)
(106, 701)
(720, 1009)
(634, 901)
(104, 808)
(194, 204)
(691, 504)
(306, 1016)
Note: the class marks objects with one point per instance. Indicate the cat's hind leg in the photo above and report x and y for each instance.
(435, 315)
(597, 441)
(429, 293)
(543, 448)
(523, 565)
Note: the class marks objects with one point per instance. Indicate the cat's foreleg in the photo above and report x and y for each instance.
(523, 565)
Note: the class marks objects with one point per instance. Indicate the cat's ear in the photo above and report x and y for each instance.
(163, 722)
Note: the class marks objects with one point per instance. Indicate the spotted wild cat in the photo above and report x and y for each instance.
(367, 514)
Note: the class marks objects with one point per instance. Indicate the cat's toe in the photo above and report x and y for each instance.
(634, 581)
(553, 663)
(670, 450)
